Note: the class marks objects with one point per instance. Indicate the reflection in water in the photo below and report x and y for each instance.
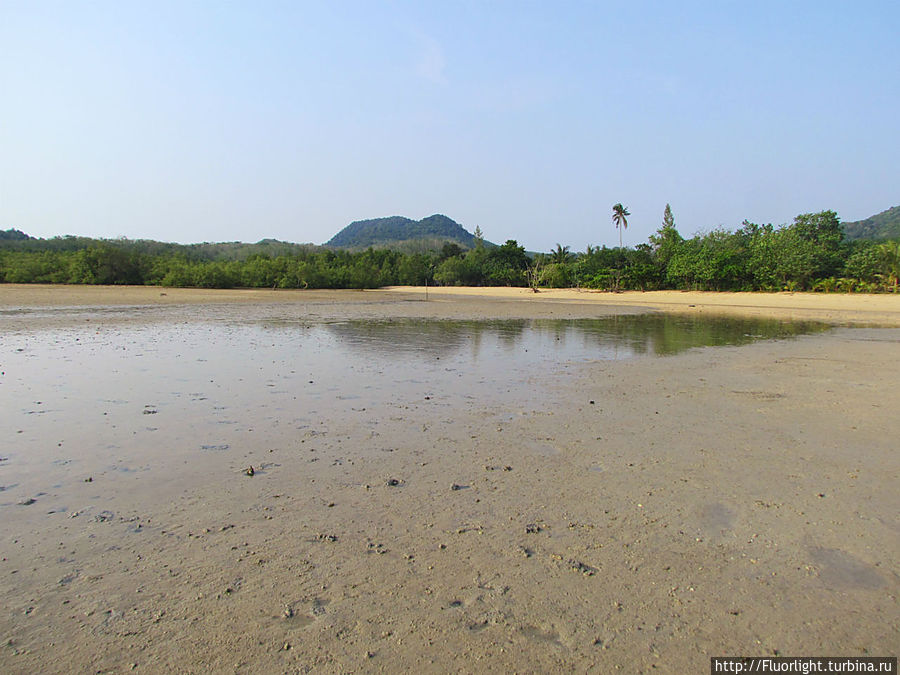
(613, 337)
(136, 400)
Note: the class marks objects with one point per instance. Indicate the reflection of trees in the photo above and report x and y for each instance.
(685, 332)
(509, 333)
(607, 337)
(667, 334)
(409, 337)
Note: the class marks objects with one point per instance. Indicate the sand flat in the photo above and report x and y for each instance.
(857, 308)
(839, 308)
(726, 500)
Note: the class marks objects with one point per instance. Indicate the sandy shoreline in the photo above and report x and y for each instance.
(830, 308)
(638, 515)
(835, 308)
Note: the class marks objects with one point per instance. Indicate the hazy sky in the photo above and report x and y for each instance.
(216, 121)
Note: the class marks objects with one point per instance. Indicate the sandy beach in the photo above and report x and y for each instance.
(834, 308)
(632, 515)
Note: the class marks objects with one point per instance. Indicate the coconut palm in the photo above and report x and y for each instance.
(561, 254)
(619, 218)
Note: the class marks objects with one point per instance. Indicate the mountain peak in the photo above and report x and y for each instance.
(396, 229)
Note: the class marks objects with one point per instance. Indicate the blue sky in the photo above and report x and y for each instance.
(220, 121)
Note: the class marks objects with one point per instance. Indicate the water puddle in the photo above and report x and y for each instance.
(77, 400)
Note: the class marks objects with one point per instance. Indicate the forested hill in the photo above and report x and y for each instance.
(13, 235)
(386, 232)
(885, 225)
(809, 254)
(16, 240)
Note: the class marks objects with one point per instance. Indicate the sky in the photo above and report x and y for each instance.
(195, 121)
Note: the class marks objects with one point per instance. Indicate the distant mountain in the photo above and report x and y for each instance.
(383, 232)
(13, 235)
(885, 225)
(15, 240)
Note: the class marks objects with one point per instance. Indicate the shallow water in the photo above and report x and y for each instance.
(434, 482)
(164, 397)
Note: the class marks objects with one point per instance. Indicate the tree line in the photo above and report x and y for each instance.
(809, 254)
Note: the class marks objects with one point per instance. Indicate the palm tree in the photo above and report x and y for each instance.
(619, 218)
(561, 254)
(889, 255)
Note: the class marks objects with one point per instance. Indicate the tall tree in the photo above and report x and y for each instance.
(479, 237)
(666, 242)
(619, 218)
(668, 218)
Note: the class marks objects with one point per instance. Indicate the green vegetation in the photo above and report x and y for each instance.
(398, 232)
(885, 225)
(13, 235)
(812, 253)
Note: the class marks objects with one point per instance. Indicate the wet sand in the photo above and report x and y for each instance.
(642, 514)
(836, 308)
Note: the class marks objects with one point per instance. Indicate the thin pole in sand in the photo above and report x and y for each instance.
(430, 271)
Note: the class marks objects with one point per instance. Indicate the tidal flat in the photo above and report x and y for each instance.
(526, 483)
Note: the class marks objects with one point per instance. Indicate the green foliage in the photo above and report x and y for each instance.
(666, 242)
(864, 262)
(601, 268)
(825, 232)
(884, 225)
(560, 255)
(506, 265)
(808, 254)
(478, 237)
(668, 218)
(754, 257)
(415, 270)
(381, 232)
(641, 273)
(452, 272)
(47, 267)
(792, 257)
(889, 258)
(450, 250)
(13, 235)
(105, 264)
(823, 228)
(557, 275)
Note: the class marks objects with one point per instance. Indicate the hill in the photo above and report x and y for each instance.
(13, 235)
(885, 225)
(396, 230)
(15, 240)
